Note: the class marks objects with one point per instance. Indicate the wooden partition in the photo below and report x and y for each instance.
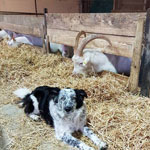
(125, 30)
(120, 28)
(62, 28)
(37, 6)
(26, 24)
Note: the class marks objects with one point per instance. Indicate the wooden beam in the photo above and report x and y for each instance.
(26, 24)
(136, 59)
(19, 13)
(123, 24)
(144, 80)
(122, 46)
(21, 29)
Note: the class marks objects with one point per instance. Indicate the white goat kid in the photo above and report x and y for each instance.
(15, 42)
(66, 51)
(4, 34)
(90, 60)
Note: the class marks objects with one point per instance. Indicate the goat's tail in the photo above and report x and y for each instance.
(22, 92)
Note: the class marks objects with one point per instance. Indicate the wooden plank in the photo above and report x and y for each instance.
(19, 13)
(28, 20)
(135, 66)
(26, 24)
(106, 23)
(58, 6)
(17, 6)
(144, 80)
(122, 46)
(21, 29)
(28, 6)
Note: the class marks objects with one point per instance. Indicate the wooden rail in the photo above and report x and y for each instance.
(125, 30)
(26, 24)
(120, 28)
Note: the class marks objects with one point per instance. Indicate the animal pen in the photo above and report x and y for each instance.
(119, 117)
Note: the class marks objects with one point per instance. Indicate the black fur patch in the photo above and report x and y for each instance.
(43, 94)
(80, 94)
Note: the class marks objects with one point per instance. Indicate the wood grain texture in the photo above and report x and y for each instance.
(107, 23)
(136, 59)
(62, 28)
(122, 46)
(22, 29)
(26, 24)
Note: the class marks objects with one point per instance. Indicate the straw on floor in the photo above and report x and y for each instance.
(117, 116)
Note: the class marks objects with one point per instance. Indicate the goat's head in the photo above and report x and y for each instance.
(77, 57)
(82, 64)
(12, 42)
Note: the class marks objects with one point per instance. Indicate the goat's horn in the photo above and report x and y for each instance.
(77, 40)
(12, 36)
(89, 38)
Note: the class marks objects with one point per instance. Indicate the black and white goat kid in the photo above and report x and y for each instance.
(64, 109)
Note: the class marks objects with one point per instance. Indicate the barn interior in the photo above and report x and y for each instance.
(117, 115)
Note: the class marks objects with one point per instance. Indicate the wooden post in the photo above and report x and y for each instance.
(36, 12)
(136, 58)
(144, 80)
(43, 39)
(46, 46)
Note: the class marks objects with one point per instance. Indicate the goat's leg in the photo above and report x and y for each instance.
(74, 142)
(89, 133)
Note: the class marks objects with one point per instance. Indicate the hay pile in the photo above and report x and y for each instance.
(118, 117)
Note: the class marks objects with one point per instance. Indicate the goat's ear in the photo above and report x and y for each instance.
(85, 61)
(80, 94)
(13, 38)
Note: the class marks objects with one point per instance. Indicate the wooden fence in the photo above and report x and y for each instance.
(125, 30)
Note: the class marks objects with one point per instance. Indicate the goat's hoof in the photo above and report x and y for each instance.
(103, 146)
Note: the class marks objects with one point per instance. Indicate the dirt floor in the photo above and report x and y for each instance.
(118, 117)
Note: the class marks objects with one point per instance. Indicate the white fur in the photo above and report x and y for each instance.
(4, 34)
(66, 51)
(35, 104)
(92, 61)
(56, 47)
(34, 117)
(18, 41)
(65, 122)
(22, 92)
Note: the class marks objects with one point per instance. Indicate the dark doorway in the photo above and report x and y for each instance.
(101, 6)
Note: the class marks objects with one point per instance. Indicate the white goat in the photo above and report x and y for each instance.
(15, 42)
(90, 60)
(66, 51)
(4, 34)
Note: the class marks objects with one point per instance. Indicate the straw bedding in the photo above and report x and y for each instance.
(118, 117)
